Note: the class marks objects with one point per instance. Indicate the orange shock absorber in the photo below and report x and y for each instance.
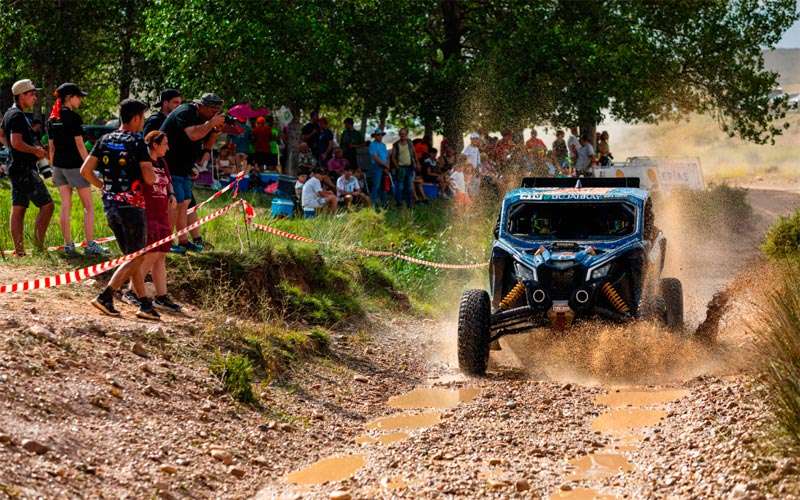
(613, 296)
(513, 296)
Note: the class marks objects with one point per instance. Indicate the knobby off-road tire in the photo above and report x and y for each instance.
(474, 321)
(672, 294)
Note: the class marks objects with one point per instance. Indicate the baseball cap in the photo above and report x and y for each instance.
(474, 135)
(168, 95)
(66, 89)
(378, 131)
(22, 86)
(210, 99)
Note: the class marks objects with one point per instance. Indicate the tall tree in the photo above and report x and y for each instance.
(639, 60)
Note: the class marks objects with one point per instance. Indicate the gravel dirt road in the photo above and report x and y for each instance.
(92, 407)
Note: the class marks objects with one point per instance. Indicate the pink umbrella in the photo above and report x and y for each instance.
(246, 112)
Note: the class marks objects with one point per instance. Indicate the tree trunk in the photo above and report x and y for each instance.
(293, 139)
(384, 113)
(452, 20)
(365, 113)
(126, 56)
(427, 135)
(6, 97)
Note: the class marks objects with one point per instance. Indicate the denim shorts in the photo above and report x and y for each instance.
(28, 187)
(128, 224)
(182, 187)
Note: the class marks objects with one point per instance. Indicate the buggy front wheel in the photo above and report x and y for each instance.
(474, 323)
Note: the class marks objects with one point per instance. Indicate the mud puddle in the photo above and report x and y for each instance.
(625, 397)
(628, 412)
(328, 469)
(338, 468)
(390, 438)
(623, 421)
(433, 397)
(598, 466)
(582, 494)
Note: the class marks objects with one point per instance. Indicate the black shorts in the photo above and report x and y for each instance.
(128, 224)
(27, 188)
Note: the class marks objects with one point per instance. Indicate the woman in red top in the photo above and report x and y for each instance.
(159, 199)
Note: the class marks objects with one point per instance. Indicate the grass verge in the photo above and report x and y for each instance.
(779, 334)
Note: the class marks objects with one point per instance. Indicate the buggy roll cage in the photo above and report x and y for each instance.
(586, 182)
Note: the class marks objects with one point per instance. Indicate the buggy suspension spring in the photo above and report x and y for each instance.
(613, 296)
(513, 296)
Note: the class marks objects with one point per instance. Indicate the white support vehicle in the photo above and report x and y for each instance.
(657, 173)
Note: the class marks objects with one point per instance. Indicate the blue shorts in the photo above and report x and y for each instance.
(182, 187)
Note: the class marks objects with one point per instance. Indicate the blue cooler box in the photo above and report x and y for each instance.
(431, 191)
(282, 207)
(244, 184)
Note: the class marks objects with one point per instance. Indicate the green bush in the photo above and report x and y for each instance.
(779, 334)
(236, 373)
(783, 238)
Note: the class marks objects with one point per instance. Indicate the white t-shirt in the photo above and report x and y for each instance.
(457, 181)
(573, 143)
(311, 190)
(584, 160)
(344, 186)
(473, 154)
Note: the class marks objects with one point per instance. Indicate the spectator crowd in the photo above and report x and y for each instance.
(147, 167)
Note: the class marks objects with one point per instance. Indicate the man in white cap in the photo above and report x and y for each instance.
(472, 150)
(26, 184)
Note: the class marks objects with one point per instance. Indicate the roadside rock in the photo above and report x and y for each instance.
(168, 469)
(34, 446)
(340, 495)
(236, 471)
(522, 485)
(139, 350)
(223, 456)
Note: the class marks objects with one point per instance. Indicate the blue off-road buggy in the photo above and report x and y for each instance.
(567, 250)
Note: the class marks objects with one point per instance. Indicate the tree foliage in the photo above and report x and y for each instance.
(449, 65)
(644, 61)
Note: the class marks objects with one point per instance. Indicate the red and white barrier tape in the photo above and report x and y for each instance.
(370, 253)
(192, 210)
(93, 270)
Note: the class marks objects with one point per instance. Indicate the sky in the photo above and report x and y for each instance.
(791, 39)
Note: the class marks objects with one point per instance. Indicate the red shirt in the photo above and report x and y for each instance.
(156, 197)
(262, 136)
(420, 148)
(535, 143)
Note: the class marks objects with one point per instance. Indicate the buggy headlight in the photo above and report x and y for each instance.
(600, 272)
(524, 273)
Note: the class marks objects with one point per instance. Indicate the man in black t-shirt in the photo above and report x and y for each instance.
(124, 163)
(310, 134)
(167, 102)
(26, 184)
(191, 129)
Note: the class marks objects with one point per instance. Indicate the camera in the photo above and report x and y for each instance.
(44, 168)
(231, 120)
